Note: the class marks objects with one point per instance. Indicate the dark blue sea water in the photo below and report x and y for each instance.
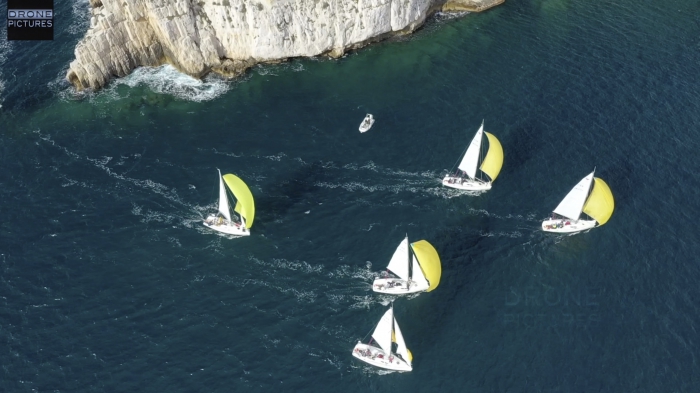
(109, 282)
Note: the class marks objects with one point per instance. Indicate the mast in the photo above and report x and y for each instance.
(481, 148)
(470, 160)
(408, 261)
(393, 328)
(223, 198)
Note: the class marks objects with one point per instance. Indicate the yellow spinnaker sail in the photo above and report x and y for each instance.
(244, 199)
(494, 157)
(410, 355)
(600, 203)
(429, 262)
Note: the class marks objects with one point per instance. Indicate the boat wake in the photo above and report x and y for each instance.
(342, 287)
(531, 217)
(512, 235)
(281, 263)
(371, 166)
(373, 370)
(191, 219)
(427, 187)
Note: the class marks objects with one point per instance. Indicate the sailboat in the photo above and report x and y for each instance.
(464, 177)
(417, 271)
(245, 207)
(382, 353)
(597, 202)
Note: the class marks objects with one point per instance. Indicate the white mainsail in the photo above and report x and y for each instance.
(399, 261)
(471, 157)
(400, 343)
(572, 204)
(382, 333)
(418, 276)
(223, 199)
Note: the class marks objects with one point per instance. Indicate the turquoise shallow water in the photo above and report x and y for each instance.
(110, 283)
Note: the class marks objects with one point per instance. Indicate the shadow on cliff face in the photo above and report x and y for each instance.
(296, 188)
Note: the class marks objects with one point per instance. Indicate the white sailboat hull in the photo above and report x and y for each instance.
(567, 226)
(224, 226)
(378, 358)
(467, 184)
(396, 286)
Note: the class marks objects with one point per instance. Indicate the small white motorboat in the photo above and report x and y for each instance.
(367, 123)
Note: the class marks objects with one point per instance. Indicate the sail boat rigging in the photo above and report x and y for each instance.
(385, 336)
(591, 196)
(464, 177)
(223, 221)
(416, 267)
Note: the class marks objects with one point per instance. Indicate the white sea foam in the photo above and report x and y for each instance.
(364, 302)
(166, 79)
(378, 371)
(70, 182)
(151, 216)
(5, 49)
(301, 295)
(175, 242)
(147, 184)
(277, 157)
(353, 272)
(531, 217)
(281, 263)
(223, 153)
(81, 17)
(371, 166)
(415, 187)
(297, 66)
(371, 226)
(513, 234)
(445, 16)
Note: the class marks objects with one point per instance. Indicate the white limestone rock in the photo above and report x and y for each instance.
(228, 36)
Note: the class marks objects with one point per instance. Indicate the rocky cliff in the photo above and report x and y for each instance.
(228, 36)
